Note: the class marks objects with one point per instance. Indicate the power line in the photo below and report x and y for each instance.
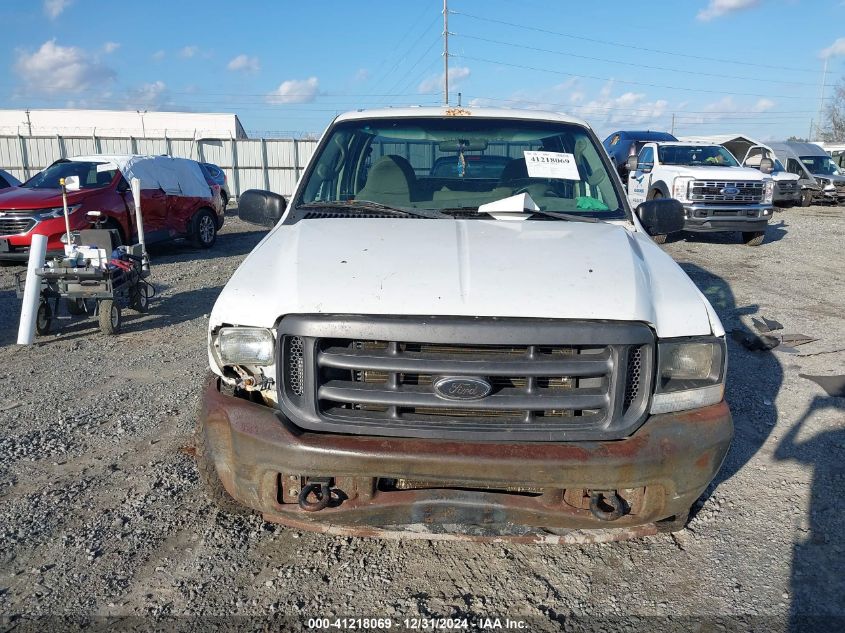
(402, 80)
(633, 83)
(629, 46)
(637, 64)
(628, 109)
(401, 58)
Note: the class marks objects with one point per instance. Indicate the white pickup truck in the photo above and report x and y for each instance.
(717, 194)
(457, 327)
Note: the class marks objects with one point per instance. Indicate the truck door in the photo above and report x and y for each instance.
(639, 180)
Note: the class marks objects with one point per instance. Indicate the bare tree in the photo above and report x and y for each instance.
(832, 127)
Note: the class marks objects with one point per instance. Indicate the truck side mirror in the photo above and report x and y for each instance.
(661, 216)
(71, 183)
(264, 208)
(631, 163)
(767, 165)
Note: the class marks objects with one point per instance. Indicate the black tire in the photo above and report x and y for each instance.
(110, 317)
(806, 198)
(76, 306)
(204, 229)
(139, 300)
(673, 524)
(753, 238)
(43, 318)
(211, 484)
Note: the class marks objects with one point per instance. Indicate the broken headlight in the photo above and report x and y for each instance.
(690, 374)
(245, 346)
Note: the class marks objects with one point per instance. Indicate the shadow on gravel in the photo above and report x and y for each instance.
(818, 561)
(775, 232)
(754, 378)
(176, 308)
(227, 244)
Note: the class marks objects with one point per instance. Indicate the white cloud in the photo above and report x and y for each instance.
(189, 51)
(149, 96)
(362, 75)
(718, 8)
(834, 50)
(55, 69)
(295, 91)
(435, 82)
(54, 8)
(158, 56)
(110, 47)
(763, 105)
(244, 63)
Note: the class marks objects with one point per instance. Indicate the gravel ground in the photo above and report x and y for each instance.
(101, 513)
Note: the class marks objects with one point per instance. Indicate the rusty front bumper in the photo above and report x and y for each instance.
(457, 489)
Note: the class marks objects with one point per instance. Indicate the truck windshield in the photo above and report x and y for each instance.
(91, 175)
(448, 163)
(820, 165)
(696, 156)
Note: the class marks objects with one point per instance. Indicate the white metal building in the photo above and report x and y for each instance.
(121, 124)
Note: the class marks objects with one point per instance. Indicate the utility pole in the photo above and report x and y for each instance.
(28, 123)
(446, 52)
(821, 100)
(673, 124)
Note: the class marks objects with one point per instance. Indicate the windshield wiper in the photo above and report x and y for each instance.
(557, 215)
(368, 205)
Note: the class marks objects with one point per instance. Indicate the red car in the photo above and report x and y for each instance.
(176, 202)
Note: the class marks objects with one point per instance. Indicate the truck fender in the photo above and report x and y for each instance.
(658, 186)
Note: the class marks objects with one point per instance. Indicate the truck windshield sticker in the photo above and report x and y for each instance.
(551, 165)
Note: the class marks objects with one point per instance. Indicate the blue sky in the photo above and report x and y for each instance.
(720, 66)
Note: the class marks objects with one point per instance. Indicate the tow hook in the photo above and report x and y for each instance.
(606, 505)
(318, 487)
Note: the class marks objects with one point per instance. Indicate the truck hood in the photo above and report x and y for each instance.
(23, 198)
(400, 266)
(784, 176)
(720, 173)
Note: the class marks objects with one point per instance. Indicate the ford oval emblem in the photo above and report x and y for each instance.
(729, 191)
(462, 388)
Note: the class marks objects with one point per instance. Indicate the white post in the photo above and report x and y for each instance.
(139, 221)
(32, 290)
(64, 205)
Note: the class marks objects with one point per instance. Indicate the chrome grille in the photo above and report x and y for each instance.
(713, 191)
(14, 225)
(578, 386)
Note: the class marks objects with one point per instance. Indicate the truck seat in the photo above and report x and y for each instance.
(391, 181)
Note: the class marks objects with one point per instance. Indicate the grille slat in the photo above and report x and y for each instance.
(580, 365)
(16, 225)
(409, 396)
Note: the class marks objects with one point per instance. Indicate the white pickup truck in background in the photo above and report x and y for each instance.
(717, 194)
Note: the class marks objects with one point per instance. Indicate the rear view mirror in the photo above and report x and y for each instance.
(661, 216)
(631, 163)
(71, 183)
(767, 165)
(264, 208)
(462, 145)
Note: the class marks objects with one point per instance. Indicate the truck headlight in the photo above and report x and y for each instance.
(768, 191)
(680, 188)
(245, 346)
(690, 374)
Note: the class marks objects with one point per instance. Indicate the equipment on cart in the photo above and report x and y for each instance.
(97, 276)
